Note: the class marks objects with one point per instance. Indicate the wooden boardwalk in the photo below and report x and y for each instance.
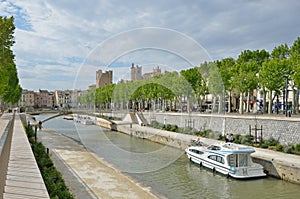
(23, 179)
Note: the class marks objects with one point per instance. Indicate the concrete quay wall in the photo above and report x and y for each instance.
(286, 131)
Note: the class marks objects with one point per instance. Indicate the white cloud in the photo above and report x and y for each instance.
(54, 35)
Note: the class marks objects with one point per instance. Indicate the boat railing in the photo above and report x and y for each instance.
(236, 146)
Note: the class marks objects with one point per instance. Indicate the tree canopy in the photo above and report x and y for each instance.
(252, 72)
(10, 89)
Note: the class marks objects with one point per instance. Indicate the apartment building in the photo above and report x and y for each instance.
(27, 98)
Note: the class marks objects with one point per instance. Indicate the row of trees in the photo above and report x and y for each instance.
(252, 72)
(10, 89)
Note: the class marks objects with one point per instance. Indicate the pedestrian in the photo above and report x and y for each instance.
(231, 138)
(227, 138)
(40, 125)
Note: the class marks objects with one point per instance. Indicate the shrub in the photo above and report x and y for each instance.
(264, 145)
(297, 147)
(271, 141)
(190, 131)
(237, 138)
(279, 147)
(272, 147)
(22, 109)
(53, 180)
(288, 149)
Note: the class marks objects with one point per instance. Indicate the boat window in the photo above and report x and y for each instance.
(239, 160)
(213, 157)
(196, 151)
(217, 158)
(213, 147)
(244, 160)
(220, 159)
(232, 160)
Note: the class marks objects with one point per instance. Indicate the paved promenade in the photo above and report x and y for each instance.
(23, 178)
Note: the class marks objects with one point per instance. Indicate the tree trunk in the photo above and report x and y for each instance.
(241, 108)
(264, 101)
(248, 100)
(296, 100)
(221, 103)
(270, 102)
(229, 102)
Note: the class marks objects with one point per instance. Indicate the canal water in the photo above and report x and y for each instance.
(166, 170)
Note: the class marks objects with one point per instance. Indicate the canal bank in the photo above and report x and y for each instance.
(280, 165)
(87, 175)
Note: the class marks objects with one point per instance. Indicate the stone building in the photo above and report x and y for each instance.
(103, 79)
(27, 98)
(62, 98)
(156, 71)
(136, 72)
(44, 99)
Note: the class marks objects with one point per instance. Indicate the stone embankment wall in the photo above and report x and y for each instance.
(286, 131)
(279, 169)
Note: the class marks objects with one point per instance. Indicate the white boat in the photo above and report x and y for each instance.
(76, 118)
(87, 120)
(83, 119)
(229, 159)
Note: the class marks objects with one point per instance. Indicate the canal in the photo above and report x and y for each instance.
(166, 170)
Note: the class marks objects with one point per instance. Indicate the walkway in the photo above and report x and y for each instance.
(23, 179)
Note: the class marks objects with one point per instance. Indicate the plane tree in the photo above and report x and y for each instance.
(295, 65)
(10, 89)
(198, 84)
(272, 77)
(225, 67)
(245, 78)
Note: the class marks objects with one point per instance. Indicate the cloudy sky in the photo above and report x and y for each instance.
(61, 43)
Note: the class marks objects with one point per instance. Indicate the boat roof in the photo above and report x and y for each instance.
(229, 148)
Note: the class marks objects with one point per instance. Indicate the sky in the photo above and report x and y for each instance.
(60, 44)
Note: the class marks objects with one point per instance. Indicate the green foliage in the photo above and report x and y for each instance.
(10, 89)
(197, 82)
(279, 147)
(264, 145)
(247, 139)
(288, 149)
(280, 52)
(297, 147)
(253, 69)
(271, 141)
(156, 125)
(237, 138)
(53, 180)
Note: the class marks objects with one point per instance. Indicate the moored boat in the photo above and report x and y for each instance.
(83, 119)
(87, 120)
(68, 118)
(229, 159)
